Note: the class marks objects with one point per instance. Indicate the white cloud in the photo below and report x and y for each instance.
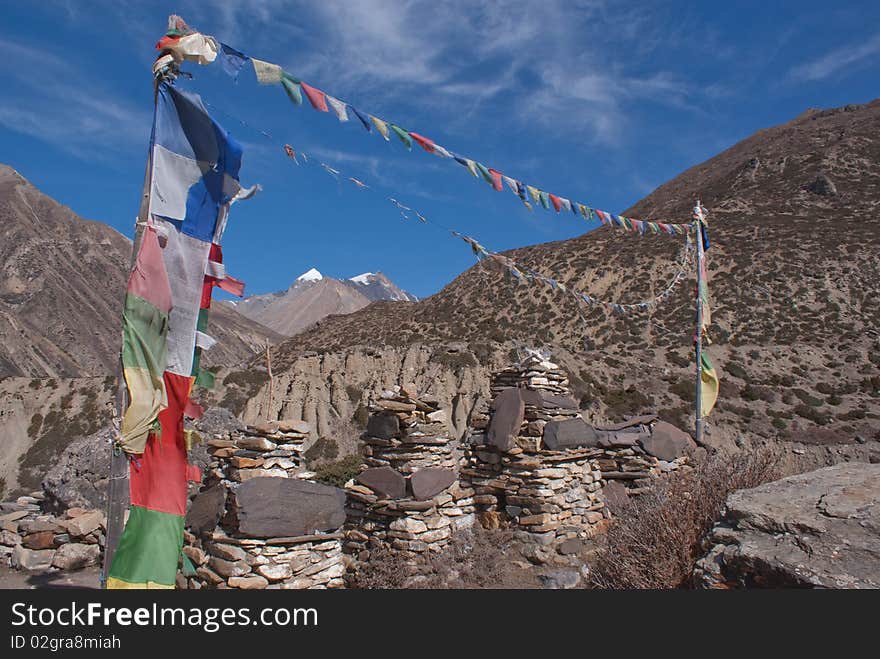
(834, 61)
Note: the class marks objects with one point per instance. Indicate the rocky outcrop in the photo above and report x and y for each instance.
(326, 390)
(814, 530)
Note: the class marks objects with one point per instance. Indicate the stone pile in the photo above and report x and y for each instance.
(259, 522)
(523, 462)
(639, 450)
(272, 449)
(408, 498)
(32, 540)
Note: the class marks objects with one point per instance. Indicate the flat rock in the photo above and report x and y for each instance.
(295, 425)
(384, 481)
(560, 579)
(631, 422)
(383, 426)
(820, 529)
(84, 524)
(557, 400)
(253, 582)
(616, 497)
(507, 417)
(571, 433)
(425, 483)
(206, 509)
(271, 507)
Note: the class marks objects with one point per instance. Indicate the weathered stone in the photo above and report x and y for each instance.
(560, 579)
(227, 552)
(507, 417)
(425, 483)
(229, 568)
(562, 402)
(295, 425)
(396, 406)
(75, 556)
(85, 523)
(276, 571)
(616, 497)
(195, 554)
(820, 529)
(9, 538)
(208, 575)
(39, 540)
(253, 582)
(255, 443)
(383, 480)
(409, 525)
(383, 426)
(667, 442)
(270, 507)
(206, 509)
(571, 433)
(31, 559)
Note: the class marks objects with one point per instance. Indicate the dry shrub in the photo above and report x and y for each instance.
(476, 558)
(656, 540)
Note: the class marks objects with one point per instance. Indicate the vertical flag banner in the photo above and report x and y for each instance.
(193, 183)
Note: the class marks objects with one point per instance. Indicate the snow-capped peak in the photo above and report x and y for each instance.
(364, 278)
(311, 275)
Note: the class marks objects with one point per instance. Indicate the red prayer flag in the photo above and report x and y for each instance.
(426, 143)
(557, 203)
(316, 97)
(496, 179)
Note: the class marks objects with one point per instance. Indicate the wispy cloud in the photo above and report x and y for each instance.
(62, 106)
(836, 60)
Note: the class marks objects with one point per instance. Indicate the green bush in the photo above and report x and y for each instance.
(340, 472)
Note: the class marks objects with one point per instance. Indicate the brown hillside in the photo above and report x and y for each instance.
(793, 277)
(61, 289)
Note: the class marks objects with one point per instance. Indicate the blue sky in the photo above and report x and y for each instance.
(597, 101)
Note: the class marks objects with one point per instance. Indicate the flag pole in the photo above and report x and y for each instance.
(116, 488)
(698, 339)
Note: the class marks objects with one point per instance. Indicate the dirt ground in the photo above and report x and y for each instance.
(89, 578)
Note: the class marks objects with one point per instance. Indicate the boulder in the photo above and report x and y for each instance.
(80, 475)
(75, 556)
(39, 540)
(820, 529)
(667, 442)
(31, 559)
(84, 524)
(383, 426)
(206, 509)
(425, 483)
(571, 433)
(507, 417)
(272, 507)
(385, 481)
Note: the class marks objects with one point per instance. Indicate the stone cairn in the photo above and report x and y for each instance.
(33, 540)
(522, 466)
(260, 521)
(408, 498)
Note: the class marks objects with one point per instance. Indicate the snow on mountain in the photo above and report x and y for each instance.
(311, 275)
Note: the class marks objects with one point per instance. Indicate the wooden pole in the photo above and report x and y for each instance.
(271, 379)
(118, 484)
(698, 410)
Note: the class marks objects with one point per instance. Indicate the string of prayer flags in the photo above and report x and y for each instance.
(269, 73)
